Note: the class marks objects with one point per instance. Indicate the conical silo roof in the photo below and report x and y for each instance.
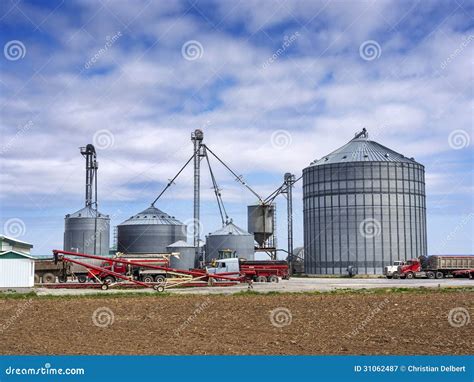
(87, 212)
(361, 149)
(151, 216)
(180, 244)
(230, 229)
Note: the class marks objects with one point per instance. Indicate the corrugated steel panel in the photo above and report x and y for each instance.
(187, 255)
(17, 273)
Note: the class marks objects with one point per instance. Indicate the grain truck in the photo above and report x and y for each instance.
(47, 271)
(437, 267)
(257, 270)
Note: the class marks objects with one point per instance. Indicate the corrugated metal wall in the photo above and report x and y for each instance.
(341, 200)
(17, 273)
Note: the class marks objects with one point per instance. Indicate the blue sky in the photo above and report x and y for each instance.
(273, 84)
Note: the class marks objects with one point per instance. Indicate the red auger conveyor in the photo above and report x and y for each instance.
(184, 277)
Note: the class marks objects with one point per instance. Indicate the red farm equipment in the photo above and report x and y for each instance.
(114, 269)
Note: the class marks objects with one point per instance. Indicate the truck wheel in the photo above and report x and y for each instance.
(104, 286)
(148, 279)
(49, 278)
(62, 278)
(273, 279)
(37, 278)
(388, 277)
(109, 280)
(159, 288)
(439, 275)
(410, 275)
(160, 279)
(261, 279)
(82, 278)
(430, 275)
(395, 275)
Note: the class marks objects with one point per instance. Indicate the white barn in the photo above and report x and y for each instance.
(17, 266)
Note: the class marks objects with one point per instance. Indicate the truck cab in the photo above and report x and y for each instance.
(225, 266)
(410, 269)
(392, 270)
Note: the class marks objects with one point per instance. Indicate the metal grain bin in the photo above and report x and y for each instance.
(363, 206)
(149, 231)
(187, 255)
(260, 221)
(87, 231)
(229, 241)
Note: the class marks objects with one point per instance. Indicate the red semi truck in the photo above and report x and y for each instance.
(437, 267)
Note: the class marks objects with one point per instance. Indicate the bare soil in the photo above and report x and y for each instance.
(381, 323)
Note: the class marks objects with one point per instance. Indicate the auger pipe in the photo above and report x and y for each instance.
(108, 272)
(145, 265)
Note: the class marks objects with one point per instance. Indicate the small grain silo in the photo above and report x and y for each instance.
(150, 231)
(229, 241)
(88, 230)
(185, 255)
(363, 207)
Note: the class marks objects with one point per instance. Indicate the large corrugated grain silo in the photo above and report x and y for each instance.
(364, 207)
(149, 231)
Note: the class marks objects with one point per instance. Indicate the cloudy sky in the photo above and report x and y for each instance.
(273, 84)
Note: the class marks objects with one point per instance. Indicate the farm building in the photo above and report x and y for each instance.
(17, 266)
